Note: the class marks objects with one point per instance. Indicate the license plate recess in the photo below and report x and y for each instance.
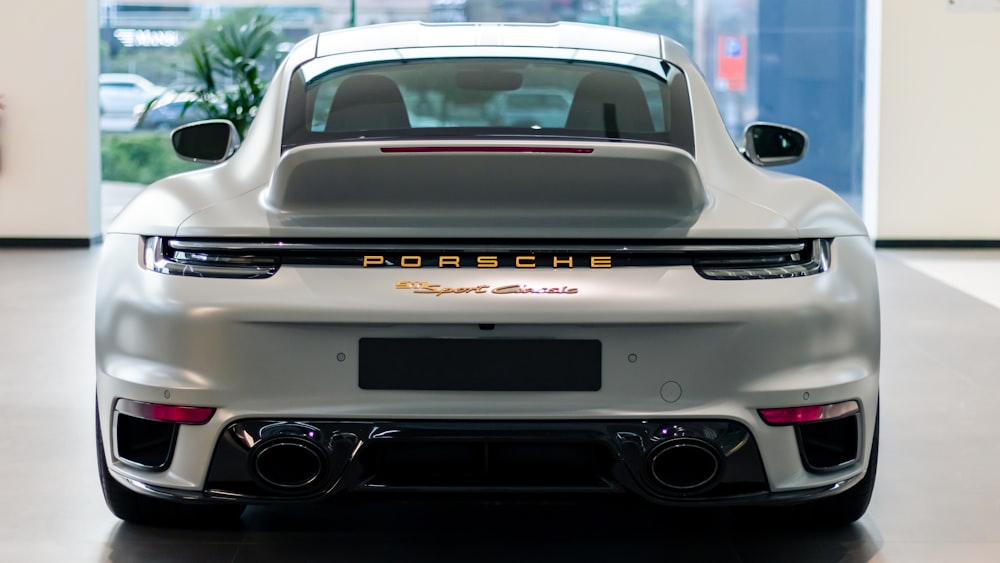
(479, 364)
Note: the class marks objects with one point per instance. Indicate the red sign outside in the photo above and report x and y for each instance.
(732, 67)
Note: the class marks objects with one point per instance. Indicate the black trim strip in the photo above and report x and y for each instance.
(16, 242)
(766, 258)
(936, 243)
(293, 246)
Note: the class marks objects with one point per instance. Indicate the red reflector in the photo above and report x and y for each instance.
(791, 415)
(813, 413)
(165, 413)
(568, 150)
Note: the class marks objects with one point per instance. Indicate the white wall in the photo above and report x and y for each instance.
(938, 148)
(49, 141)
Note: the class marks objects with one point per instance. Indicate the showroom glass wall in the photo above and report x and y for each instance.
(788, 61)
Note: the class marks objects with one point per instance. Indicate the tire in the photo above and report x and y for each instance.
(137, 508)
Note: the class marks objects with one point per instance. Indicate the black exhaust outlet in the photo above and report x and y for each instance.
(288, 463)
(685, 466)
(290, 458)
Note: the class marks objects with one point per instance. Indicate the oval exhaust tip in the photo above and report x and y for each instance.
(288, 464)
(685, 465)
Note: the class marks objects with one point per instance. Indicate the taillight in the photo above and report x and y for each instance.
(165, 413)
(160, 256)
(811, 259)
(813, 413)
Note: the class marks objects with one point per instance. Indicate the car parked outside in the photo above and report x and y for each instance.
(119, 93)
(168, 112)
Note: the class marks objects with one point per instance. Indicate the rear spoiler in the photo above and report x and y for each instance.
(490, 184)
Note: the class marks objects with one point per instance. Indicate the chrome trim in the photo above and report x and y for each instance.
(298, 247)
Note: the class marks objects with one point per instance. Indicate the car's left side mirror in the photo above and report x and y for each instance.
(768, 144)
(212, 140)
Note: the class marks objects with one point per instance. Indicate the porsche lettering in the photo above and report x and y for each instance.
(524, 261)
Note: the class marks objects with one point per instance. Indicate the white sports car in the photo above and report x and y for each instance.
(392, 286)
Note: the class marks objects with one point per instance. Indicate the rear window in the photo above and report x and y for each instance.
(489, 97)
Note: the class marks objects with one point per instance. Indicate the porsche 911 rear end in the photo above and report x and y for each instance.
(391, 289)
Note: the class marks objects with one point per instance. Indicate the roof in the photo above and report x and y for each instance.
(559, 35)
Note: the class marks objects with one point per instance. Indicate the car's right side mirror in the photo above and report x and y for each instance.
(212, 140)
(769, 144)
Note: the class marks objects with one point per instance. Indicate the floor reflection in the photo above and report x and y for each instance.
(383, 530)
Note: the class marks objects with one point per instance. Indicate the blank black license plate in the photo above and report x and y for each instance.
(471, 364)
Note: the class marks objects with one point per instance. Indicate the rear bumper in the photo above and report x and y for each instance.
(495, 459)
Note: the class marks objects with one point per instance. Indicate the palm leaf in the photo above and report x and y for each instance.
(226, 67)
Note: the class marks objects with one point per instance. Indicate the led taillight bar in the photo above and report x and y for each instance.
(565, 150)
(812, 413)
(165, 413)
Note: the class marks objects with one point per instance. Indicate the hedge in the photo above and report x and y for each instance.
(140, 157)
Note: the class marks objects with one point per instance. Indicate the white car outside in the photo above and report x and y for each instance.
(119, 94)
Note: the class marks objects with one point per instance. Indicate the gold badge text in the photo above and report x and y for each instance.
(422, 287)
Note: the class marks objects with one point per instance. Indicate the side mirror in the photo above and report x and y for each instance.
(212, 141)
(769, 144)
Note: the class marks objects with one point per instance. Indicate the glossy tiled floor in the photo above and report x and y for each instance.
(937, 498)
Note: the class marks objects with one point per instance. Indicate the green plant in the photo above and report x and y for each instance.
(140, 158)
(228, 58)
